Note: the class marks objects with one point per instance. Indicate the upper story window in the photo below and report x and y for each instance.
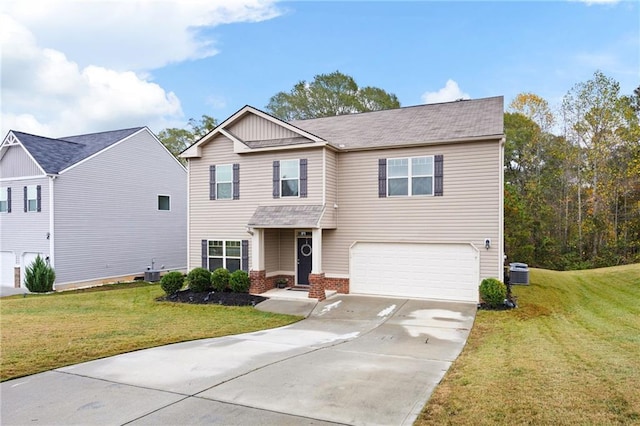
(410, 176)
(290, 178)
(224, 182)
(164, 202)
(5, 200)
(32, 198)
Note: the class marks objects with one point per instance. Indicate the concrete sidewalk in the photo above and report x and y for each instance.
(354, 360)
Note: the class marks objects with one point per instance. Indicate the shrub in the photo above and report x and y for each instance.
(199, 280)
(220, 279)
(39, 276)
(239, 281)
(493, 292)
(171, 282)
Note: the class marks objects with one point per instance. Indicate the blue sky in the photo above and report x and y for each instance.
(75, 67)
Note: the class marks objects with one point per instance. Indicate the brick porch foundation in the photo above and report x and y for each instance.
(316, 289)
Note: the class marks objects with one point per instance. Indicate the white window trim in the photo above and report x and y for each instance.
(224, 256)
(218, 182)
(35, 198)
(410, 176)
(4, 196)
(297, 179)
(164, 195)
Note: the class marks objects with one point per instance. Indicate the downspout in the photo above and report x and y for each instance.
(188, 213)
(51, 234)
(501, 252)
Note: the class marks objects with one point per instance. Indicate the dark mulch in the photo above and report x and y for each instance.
(214, 298)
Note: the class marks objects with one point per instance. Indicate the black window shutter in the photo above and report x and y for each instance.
(25, 199)
(382, 177)
(38, 197)
(8, 200)
(438, 170)
(245, 255)
(236, 181)
(205, 254)
(212, 182)
(276, 179)
(303, 178)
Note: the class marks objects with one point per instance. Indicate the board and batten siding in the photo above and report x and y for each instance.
(17, 163)
(253, 128)
(468, 212)
(107, 221)
(25, 232)
(228, 219)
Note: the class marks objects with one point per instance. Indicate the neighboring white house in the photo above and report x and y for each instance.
(101, 207)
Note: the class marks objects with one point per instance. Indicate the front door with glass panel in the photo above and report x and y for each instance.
(304, 254)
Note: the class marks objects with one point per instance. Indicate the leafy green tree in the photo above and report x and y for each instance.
(329, 95)
(177, 140)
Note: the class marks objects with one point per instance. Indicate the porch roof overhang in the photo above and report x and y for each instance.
(291, 216)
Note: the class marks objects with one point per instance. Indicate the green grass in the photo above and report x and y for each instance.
(42, 332)
(569, 354)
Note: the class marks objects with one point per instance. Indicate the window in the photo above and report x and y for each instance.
(410, 176)
(5, 200)
(224, 182)
(32, 198)
(290, 178)
(225, 254)
(289, 175)
(164, 202)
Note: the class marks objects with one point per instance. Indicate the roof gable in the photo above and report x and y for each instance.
(251, 129)
(56, 155)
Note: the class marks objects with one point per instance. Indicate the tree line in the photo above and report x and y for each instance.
(572, 174)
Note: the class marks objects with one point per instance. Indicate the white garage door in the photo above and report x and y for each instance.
(433, 271)
(7, 265)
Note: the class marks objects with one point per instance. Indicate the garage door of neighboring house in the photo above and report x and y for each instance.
(7, 265)
(26, 260)
(420, 270)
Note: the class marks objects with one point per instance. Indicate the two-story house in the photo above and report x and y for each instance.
(100, 207)
(404, 202)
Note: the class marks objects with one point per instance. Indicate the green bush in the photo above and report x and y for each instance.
(239, 281)
(171, 282)
(199, 280)
(493, 292)
(39, 276)
(220, 279)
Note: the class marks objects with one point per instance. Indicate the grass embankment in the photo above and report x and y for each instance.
(42, 332)
(569, 354)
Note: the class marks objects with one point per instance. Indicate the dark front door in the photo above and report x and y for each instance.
(304, 260)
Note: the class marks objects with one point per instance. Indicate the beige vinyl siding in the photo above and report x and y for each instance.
(287, 250)
(227, 219)
(330, 216)
(17, 163)
(272, 245)
(469, 211)
(252, 128)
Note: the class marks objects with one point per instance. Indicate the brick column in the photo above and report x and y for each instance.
(316, 290)
(258, 282)
(16, 277)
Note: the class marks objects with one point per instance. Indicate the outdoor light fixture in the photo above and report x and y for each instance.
(487, 243)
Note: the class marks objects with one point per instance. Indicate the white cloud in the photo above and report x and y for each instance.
(591, 2)
(450, 92)
(70, 67)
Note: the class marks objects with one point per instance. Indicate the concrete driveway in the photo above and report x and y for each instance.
(354, 360)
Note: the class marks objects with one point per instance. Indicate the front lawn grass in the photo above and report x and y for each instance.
(42, 332)
(569, 354)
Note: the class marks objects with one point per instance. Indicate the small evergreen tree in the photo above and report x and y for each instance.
(39, 276)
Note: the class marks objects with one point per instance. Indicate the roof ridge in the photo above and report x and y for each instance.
(45, 137)
(99, 133)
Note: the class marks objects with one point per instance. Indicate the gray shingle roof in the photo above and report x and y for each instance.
(307, 216)
(55, 155)
(448, 121)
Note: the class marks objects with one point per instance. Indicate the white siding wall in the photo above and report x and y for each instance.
(22, 232)
(469, 211)
(227, 219)
(16, 162)
(107, 221)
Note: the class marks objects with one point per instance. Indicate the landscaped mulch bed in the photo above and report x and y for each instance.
(213, 298)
